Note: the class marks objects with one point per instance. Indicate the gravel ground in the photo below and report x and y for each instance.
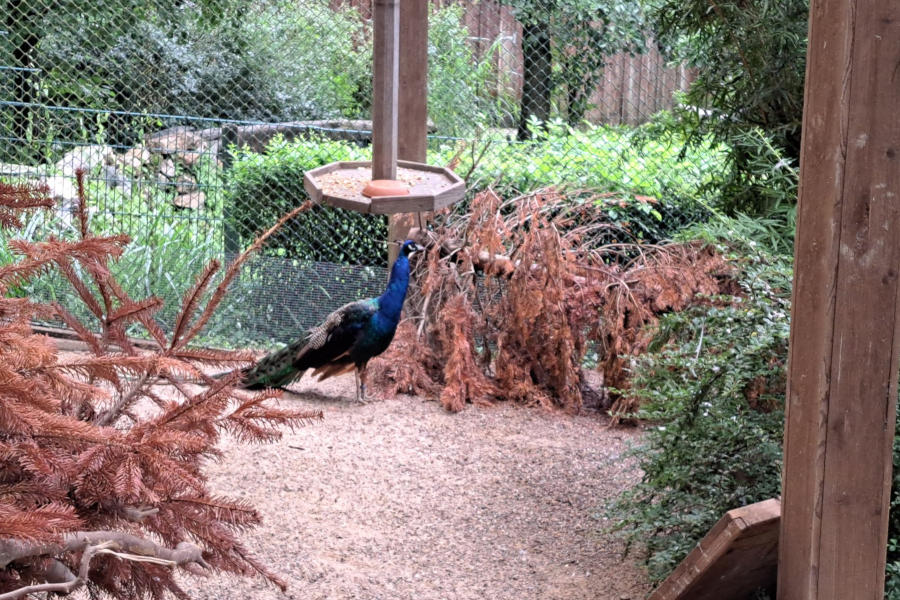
(400, 499)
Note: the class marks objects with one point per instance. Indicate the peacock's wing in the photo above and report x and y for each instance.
(334, 338)
(326, 343)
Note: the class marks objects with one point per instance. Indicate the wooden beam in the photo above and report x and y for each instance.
(413, 101)
(841, 398)
(736, 558)
(385, 83)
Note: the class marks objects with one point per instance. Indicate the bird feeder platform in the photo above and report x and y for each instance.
(341, 184)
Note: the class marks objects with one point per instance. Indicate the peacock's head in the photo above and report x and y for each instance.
(408, 247)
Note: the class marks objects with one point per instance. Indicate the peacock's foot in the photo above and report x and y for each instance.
(361, 396)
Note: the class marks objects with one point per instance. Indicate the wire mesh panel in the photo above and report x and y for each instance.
(195, 122)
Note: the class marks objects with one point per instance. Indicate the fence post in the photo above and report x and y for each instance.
(228, 138)
(842, 377)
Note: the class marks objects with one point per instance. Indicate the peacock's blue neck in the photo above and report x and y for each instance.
(390, 303)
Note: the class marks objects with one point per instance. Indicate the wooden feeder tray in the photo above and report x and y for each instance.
(341, 184)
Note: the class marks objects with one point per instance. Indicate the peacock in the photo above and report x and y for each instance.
(347, 339)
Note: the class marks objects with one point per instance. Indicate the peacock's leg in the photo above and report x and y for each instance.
(356, 379)
(362, 384)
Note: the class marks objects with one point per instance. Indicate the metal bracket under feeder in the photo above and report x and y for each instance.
(341, 184)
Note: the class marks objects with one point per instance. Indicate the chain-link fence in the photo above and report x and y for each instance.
(195, 122)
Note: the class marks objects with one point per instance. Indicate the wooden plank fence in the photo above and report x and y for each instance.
(635, 87)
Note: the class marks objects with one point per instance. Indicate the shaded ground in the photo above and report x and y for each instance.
(399, 499)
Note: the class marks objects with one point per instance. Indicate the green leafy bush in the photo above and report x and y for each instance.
(892, 572)
(712, 386)
(169, 246)
(750, 58)
(626, 161)
(225, 59)
(263, 187)
(652, 185)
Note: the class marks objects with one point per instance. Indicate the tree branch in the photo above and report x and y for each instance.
(138, 514)
(124, 545)
(60, 587)
(109, 416)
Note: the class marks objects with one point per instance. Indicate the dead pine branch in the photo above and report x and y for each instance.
(529, 285)
(99, 489)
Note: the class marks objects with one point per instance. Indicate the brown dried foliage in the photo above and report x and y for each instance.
(511, 296)
(85, 455)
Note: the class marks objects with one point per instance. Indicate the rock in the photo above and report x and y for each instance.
(193, 200)
(167, 168)
(84, 157)
(10, 169)
(135, 157)
(185, 184)
(64, 192)
(594, 393)
(62, 189)
(190, 158)
(173, 140)
(210, 134)
(113, 177)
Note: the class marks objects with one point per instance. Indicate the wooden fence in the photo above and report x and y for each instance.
(634, 87)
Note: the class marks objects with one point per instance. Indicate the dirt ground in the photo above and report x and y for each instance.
(400, 499)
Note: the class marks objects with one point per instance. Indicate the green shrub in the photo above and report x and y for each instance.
(750, 58)
(169, 245)
(626, 161)
(892, 572)
(712, 387)
(226, 59)
(263, 187)
(632, 164)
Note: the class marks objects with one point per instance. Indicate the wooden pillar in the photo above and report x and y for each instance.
(412, 136)
(384, 89)
(842, 375)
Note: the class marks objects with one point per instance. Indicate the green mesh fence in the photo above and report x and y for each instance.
(195, 122)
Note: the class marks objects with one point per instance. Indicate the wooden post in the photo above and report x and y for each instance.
(413, 101)
(412, 141)
(385, 85)
(232, 237)
(842, 376)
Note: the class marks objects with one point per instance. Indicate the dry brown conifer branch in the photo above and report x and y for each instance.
(138, 514)
(64, 472)
(538, 280)
(123, 402)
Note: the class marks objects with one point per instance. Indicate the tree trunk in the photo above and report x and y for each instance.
(537, 85)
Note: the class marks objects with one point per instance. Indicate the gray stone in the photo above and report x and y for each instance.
(113, 177)
(185, 184)
(135, 157)
(190, 158)
(193, 200)
(11, 169)
(84, 157)
(62, 189)
(173, 140)
(167, 168)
